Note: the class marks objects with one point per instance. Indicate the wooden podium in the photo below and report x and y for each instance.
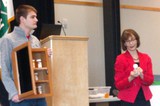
(69, 66)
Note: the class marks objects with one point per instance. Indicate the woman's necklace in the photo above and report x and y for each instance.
(135, 58)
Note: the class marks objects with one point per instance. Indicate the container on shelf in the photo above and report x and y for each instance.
(39, 63)
(36, 76)
(39, 89)
(34, 64)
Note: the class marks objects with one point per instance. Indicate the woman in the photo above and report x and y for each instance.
(133, 72)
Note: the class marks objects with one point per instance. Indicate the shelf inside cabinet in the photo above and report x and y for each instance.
(39, 57)
(42, 81)
(43, 68)
(41, 75)
(42, 88)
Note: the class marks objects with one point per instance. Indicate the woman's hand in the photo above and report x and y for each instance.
(135, 73)
(140, 70)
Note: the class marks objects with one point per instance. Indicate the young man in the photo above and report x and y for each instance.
(26, 16)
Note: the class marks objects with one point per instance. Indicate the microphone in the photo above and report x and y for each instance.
(135, 66)
(62, 27)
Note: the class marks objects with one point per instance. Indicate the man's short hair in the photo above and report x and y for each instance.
(23, 10)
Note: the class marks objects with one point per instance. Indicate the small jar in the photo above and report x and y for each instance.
(39, 89)
(39, 63)
(36, 76)
(34, 64)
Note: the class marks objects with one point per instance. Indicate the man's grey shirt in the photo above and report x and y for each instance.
(8, 43)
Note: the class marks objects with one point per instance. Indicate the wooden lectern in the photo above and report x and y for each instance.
(69, 66)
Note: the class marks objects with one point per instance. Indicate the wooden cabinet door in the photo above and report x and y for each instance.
(22, 70)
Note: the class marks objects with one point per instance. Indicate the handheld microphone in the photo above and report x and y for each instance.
(62, 27)
(135, 66)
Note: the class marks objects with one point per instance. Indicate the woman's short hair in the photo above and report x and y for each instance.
(23, 10)
(127, 33)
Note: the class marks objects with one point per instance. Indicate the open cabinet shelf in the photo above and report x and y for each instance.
(31, 70)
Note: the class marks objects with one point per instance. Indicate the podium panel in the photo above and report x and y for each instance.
(69, 66)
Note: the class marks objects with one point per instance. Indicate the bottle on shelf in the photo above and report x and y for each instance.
(36, 76)
(34, 64)
(39, 63)
(39, 89)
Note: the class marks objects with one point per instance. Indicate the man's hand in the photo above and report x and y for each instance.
(50, 52)
(16, 99)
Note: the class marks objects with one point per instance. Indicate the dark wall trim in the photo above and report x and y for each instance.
(111, 10)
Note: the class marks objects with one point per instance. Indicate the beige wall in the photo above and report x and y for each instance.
(86, 21)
